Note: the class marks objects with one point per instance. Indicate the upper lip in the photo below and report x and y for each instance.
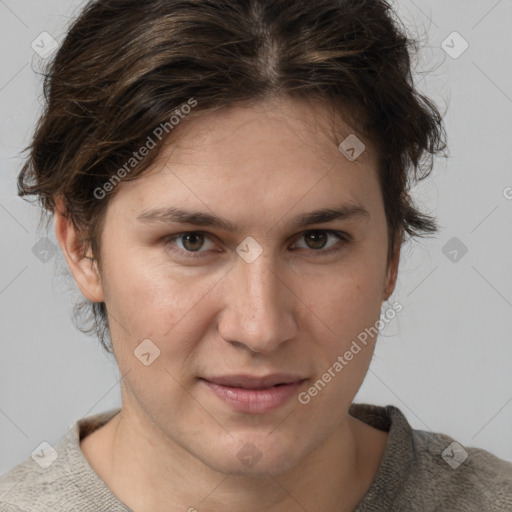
(249, 381)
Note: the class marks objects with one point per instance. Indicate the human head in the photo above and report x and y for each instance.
(126, 67)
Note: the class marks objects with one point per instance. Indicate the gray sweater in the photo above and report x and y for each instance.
(419, 471)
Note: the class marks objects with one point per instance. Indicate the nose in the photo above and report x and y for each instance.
(258, 308)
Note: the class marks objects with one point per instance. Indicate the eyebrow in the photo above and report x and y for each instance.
(183, 216)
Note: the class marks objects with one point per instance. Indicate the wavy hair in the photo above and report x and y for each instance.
(125, 66)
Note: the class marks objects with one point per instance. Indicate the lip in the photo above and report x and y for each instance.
(251, 394)
(249, 381)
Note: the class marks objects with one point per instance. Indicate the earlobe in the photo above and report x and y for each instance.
(78, 256)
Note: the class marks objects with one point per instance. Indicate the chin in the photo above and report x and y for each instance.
(276, 466)
(256, 456)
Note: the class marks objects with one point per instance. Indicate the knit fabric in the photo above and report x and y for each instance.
(419, 471)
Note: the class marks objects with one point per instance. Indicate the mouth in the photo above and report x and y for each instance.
(252, 394)
(254, 382)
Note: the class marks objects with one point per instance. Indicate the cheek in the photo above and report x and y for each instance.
(346, 308)
(142, 288)
(343, 329)
(349, 298)
(346, 345)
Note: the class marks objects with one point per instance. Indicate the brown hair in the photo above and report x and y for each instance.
(126, 66)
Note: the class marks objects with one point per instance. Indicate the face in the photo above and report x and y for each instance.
(266, 292)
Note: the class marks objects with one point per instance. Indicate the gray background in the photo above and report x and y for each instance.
(445, 360)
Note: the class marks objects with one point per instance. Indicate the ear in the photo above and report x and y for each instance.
(78, 256)
(392, 271)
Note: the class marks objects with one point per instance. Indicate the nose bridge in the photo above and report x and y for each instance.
(260, 284)
(258, 312)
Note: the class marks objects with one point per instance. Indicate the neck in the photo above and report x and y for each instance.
(148, 471)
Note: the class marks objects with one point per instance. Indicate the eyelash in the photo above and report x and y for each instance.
(341, 235)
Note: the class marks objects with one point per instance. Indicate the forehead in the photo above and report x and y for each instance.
(284, 125)
(267, 156)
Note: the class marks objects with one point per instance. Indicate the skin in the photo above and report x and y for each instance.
(174, 445)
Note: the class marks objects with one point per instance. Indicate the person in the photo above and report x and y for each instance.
(229, 181)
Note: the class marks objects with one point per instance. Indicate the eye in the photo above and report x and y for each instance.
(191, 242)
(316, 240)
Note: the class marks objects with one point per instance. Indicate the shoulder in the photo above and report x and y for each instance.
(58, 478)
(31, 487)
(431, 472)
(461, 477)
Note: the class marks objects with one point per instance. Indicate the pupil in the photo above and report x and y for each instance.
(317, 237)
(192, 236)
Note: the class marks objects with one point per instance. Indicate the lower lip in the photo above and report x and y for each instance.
(255, 400)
